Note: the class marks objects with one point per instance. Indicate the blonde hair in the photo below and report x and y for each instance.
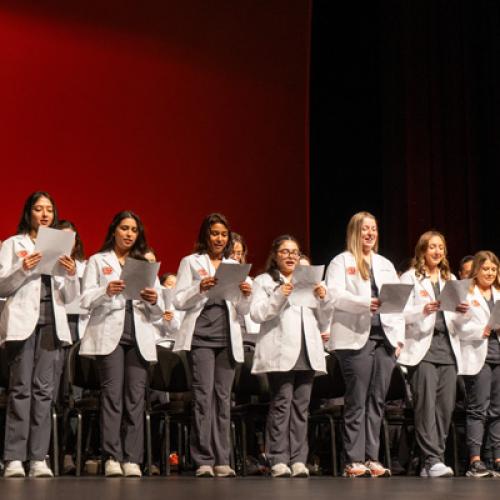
(418, 261)
(479, 259)
(354, 244)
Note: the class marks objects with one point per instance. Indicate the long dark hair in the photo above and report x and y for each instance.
(78, 252)
(24, 226)
(202, 244)
(272, 264)
(140, 246)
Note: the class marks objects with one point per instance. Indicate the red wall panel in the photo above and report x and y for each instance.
(171, 109)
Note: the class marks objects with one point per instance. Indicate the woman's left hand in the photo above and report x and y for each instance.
(246, 288)
(168, 315)
(462, 308)
(320, 291)
(149, 295)
(69, 265)
(397, 352)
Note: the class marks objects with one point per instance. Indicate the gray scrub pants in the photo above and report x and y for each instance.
(123, 375)
(367, 374)
(434, 389)
(33, 365)
(483, 404)
(286, 426)
(212, 380)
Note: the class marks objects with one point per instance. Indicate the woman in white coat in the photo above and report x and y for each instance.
(211, 332)
(432, 351)
(365, 342)
(34, 327)
(122, 336)
(290, 350)
(480, 348)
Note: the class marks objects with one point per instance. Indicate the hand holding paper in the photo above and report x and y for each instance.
(228, 278)
(393, 297)
(453, 294)
(53, 244)
(138, 275)
(304, 280)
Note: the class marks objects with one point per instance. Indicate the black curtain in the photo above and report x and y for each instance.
(405, 123)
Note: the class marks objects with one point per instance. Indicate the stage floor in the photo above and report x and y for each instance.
(189, 488)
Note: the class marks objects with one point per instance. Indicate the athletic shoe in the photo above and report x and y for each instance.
(14, 468)
(299, 470)
(280, 470)
(356, 469)
(437, 470)
(224, 471)
(112, 468)
(39, 468)
(205, 471)
(377, 469)
(478, 469)
(131, 470)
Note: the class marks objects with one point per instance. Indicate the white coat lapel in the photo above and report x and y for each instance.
(427, 286)
(203, 266)
(111, 260)
(478, 297)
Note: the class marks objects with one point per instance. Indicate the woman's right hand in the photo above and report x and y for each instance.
(115, 287)
(286, 289)
(207, 283)
(31, 261)
(374, 305)
(168, 315)
(431, 307)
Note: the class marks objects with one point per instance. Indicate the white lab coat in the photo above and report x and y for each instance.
(419, 327)
(22, 290)
(279, 340)
(470, 328)
(351, 324)
(76, 303)
(107, 314)
(188, 298)
(166, 330)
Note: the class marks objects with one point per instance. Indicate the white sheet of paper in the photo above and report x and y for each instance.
(453, 293)
(494, 320)
(137, 275)
(305, 278)
(229, 276)
(393, 297)
(168, 297)
(53, 243)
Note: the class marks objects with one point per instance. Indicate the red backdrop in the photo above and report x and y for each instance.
(172, 109)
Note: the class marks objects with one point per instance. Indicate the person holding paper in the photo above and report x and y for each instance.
(480, 348)
(33, 327)
(240, 251)
(211, 332)
(432, 351)
(290, 350)
(121, 335)
(365, 342)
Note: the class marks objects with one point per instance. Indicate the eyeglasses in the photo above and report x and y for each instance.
(289, 253)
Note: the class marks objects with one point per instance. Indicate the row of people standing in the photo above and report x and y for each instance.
(121, 334)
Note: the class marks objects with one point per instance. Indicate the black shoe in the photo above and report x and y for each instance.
(478, 469)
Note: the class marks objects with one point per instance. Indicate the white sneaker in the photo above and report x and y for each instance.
(224, 471)
(280, 470)
(205, 471)
(14, 468)
(437, 470)
(131, 470)
(299, 470)
(112, 468)
(39, 468)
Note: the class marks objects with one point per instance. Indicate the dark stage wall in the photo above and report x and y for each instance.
(405, 122)
(173, 109)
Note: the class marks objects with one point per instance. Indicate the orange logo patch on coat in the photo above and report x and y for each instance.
(351, 270)
(423, 293)
(475, 303)
(107, 270)
(22, 253)
(202, 273)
